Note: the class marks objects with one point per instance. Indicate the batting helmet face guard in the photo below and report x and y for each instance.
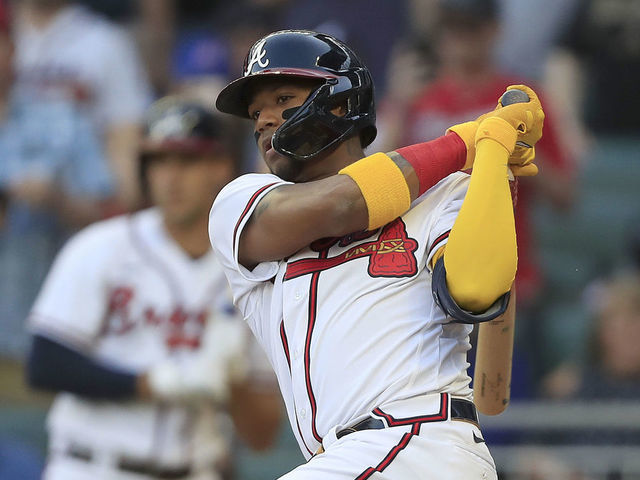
(310, 129)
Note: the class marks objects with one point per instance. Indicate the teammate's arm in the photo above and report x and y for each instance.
(366, 195)
(56, 367)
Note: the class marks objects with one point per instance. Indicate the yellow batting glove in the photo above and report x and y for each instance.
(526, 117)
(521, 159)
(529, 170)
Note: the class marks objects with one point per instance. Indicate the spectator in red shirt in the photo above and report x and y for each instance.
(466, 81)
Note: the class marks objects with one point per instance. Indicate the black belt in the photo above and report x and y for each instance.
(460, 410)
(139, 467)
(145, 468)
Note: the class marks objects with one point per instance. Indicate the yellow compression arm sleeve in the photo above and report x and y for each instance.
(480, 257)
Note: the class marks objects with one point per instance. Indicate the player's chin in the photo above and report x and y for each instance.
(282, 166)
(182, 216)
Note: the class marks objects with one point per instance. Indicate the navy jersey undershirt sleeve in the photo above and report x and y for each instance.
(56, 367)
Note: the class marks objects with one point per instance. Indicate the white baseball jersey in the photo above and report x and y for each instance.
(348, 323)
(81, 57)
(123, 292)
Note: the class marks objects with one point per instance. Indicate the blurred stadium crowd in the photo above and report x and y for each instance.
(77, 76)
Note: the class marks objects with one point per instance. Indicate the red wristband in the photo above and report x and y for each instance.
(434, 160)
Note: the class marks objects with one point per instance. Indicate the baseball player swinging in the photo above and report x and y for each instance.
(135, 327)
(362, 275)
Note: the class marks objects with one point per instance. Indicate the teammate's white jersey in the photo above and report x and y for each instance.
(123, 292)
(348, 323)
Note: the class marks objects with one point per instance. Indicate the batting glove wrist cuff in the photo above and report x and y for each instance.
(498, 130)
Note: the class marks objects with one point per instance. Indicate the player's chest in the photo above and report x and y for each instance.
(389, 252)
(334, 272)
(155, 299)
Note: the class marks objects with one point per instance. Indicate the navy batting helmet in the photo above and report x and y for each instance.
(311, 128)
(173, 125)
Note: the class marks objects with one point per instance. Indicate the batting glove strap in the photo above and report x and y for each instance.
(497, 130)
(444, 300)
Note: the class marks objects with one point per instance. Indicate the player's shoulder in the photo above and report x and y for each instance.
(96, 29)
(247, 185)
(249, 180)
(110, 233)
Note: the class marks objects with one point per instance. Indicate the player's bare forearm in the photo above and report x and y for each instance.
(292, 216)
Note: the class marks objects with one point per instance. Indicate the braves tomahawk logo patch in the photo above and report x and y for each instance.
(390, 255)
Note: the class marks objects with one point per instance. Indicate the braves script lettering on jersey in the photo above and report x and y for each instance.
(123, 292)
(352, 331)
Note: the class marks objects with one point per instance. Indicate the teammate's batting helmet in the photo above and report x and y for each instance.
(172, 124)
(344, 80)
(175, 125)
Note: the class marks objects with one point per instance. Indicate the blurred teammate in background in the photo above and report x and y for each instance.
(135, 328)
(54, 179)
(65, 51)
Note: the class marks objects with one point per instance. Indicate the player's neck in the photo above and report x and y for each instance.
(347, 152)
(192, 238)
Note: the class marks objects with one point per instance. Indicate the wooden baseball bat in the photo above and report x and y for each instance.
(494, 348)
(494, 353)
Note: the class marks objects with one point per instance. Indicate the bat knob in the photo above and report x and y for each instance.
(513, 96)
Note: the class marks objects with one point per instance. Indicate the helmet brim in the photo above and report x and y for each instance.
(179, 145)
(232, 99)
